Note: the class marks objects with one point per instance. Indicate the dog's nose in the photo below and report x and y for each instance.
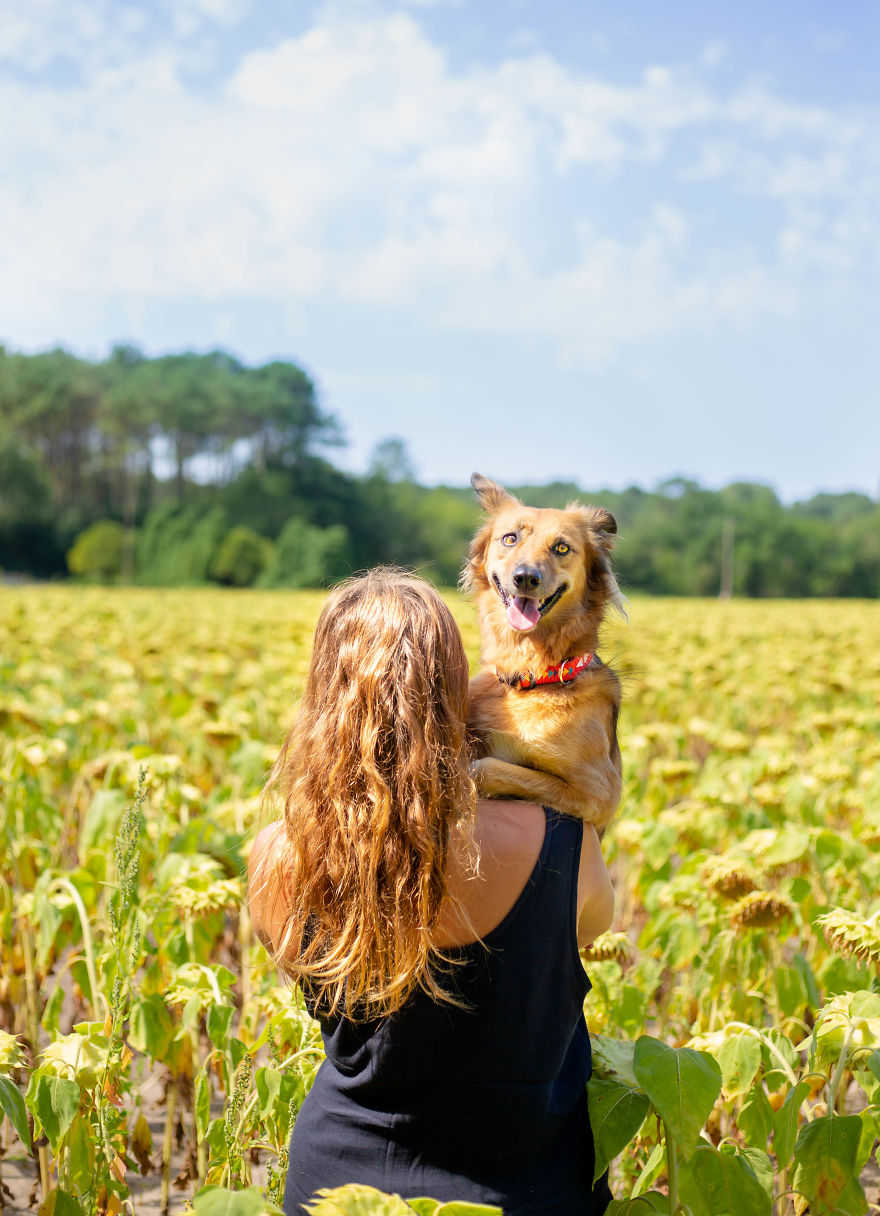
(526, 578)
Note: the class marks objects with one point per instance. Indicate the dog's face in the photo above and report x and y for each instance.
(545, 566)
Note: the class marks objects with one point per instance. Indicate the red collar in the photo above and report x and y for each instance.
(563, 674)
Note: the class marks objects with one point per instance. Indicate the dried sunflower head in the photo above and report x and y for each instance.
(674, 770)
(609, 947)
(222, 732)
(11, 1054)
(696, 823)
(852, 936)
(628, 834)
(732, 877)
(870, 831)
(761, 910)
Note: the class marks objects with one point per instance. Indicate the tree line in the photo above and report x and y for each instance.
(195, 468)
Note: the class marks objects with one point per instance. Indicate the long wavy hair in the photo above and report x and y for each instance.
(375, 783)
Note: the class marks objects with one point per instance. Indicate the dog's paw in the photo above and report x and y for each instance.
(480, 773)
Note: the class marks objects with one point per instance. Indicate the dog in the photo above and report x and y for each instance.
(544, 709)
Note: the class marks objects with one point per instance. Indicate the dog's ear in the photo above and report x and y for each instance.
(601, 528)
(490, 495)
(603, 525)
(600, 523)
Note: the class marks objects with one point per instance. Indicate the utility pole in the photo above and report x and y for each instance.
(727, 536)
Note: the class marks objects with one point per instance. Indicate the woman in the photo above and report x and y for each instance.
(436, 936)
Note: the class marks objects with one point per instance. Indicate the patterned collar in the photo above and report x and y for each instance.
(564, 673)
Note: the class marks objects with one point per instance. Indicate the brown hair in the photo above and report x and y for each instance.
(375, 780)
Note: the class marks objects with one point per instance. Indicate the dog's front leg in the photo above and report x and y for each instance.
(500, 779)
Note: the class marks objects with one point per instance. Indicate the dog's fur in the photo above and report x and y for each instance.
(555, 744)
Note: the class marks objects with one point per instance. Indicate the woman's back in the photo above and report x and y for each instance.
(455, 1067)
(483, 1101)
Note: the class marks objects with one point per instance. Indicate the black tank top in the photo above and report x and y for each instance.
(485, 1103)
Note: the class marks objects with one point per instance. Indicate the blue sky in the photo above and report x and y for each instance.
(603, 243)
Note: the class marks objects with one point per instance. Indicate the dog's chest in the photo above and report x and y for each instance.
(525, 724)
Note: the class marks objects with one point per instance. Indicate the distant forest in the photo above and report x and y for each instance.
(194, 468)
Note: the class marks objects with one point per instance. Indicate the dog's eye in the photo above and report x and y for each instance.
(509, 538)
(561, 549)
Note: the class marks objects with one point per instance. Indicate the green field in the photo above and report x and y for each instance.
(742, 966)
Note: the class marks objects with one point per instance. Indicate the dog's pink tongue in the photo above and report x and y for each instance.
(522, 613)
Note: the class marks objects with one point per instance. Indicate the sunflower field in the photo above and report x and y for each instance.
(149, 1058)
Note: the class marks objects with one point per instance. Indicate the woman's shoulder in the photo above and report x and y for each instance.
(511, 830)
(486, 881)
(263, 883)
(264, 847)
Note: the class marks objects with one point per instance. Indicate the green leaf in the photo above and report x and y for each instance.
(190, 1016)
(755, 1119)
(644, 1205)
(791, 991)
(12, 1105)
(683, 1086)
(806, 971)
(355, 1200)
(791, 844)
(215, 1138)
(785, 1123)
(865, 1004)
(650, 1170)
(238, 1049)
(60, 1203)
(51, 1014)
(455, 1207)
(150, 1027)
(53, 1101)
(713, 1182)
(48, 919)
(81, 1149)
(217, 1201)
(739, 1057)
(202, 1104)
(616, 1113)
(828, 847)
(761, 1166)
(782, 1050)
(79, 972)
(825, 1157)
(217, 1022)
(870, 1132)
(874, 1063)
(268, 1084)
(101, 820)
(628, 1011)
(613, 1059)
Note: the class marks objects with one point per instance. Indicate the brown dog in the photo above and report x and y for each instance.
(544, 711)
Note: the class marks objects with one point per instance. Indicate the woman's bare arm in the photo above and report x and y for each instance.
(595, 893)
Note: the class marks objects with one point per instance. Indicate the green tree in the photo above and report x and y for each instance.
(242, 556)
(97, 552)
(281, 417)
(29, 540)
(306, 556)
(177, 544)
(195, 396)
(49, 402)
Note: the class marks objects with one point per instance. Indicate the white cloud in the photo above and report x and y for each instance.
(35, 33)
(90, 34)
(354, 163)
